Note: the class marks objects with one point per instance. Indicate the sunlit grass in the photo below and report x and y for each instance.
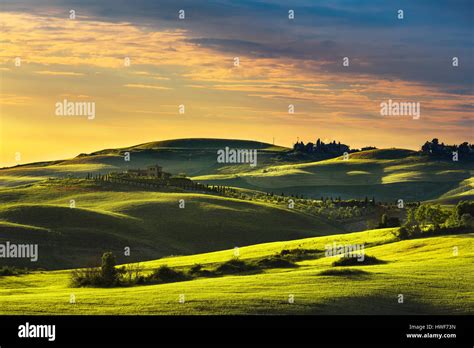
(425, 271)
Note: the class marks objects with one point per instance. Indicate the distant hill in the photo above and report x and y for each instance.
(36, 208)
(198, 144)
(383, 154)
(387, 174)
(190, 156)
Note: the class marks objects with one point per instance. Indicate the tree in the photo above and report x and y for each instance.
(108, 271)
(133, 270)
(427, 214)
(411, 222)
(383, 221)
(403, 233)
(464, 207)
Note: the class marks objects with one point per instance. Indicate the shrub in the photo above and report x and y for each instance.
(86, 277)
(388, 221)
(166, 274)
(276, 261)
(107, 275)
(464, 207)
(403, 233)
(299, 254)
(12, 271)
(354, 261)
(196, 269)
(235, 266)
(131, 273)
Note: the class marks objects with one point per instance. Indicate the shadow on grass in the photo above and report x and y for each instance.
(345, 272)
(376, 304)
(355, 261)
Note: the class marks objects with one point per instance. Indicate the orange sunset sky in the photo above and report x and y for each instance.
(191, 62)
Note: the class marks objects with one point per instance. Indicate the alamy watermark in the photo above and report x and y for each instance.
(21, 251)
(347, 250)
(394, 108)
(69, 108)
(37, 331)
(228, 155)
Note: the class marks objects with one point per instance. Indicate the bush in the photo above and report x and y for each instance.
(354, 261)
(235, 266)
(196, 269)
(12, 271)
(166, 274)
(86, 277)
(298, 254)
(276, 261)
(107, 275)
(464, 207)
(388, 221)
(403, 233)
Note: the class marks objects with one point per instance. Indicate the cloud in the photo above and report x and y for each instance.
(58, 73)
(305, 70)
(13, 99)
(132, 85)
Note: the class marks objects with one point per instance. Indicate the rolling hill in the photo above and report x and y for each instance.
(191, 156)
(431, 279)
(387, 175)
(36, 207)
(111, 217)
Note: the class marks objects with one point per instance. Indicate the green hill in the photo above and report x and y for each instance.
(431, 279)
(190, 156)
(387, 175)
(150, 223)
(201, 144)
(464, 191)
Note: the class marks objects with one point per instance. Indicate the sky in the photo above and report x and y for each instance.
(47, 57)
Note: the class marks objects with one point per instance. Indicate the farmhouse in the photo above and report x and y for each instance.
(150, 172)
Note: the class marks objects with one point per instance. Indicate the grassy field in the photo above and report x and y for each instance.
(387, 175)
(110, 217)
(36, 208)
(431, 279)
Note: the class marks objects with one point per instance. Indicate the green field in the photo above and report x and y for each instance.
(387, 175)
(110, 217)
(74, 221)
(431, 279)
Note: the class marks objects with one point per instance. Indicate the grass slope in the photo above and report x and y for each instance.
(191, 156)
(431, 279)
(387, 174)
(111, 217)
(464, 191)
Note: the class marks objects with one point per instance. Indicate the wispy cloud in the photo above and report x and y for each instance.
(192, 62)
(58, 73)
(132, 85)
